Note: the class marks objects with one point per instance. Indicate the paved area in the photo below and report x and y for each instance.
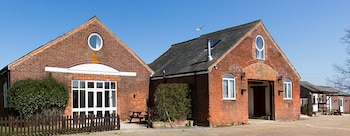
(306, 126)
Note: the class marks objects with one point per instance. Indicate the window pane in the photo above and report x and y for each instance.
(285, 90)
(90, 112)
(259, 54)
(106, 98)
(4, 88)
(259, 43)
(75, 114)
(99, 85)
(82, 98)
(91, 85)
(232, 95)
(228, 76)
(99, 113)
(225, 88)
(90, 99)
(99, 99)
(113, 99)
(112, 85)
(106, 85)
(82, 84)
(82, 113)
(75, 84)
(289, 90)
(75, 98)
(106, 113)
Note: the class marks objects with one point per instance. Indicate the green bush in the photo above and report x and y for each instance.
(174, 99)
(29, 97)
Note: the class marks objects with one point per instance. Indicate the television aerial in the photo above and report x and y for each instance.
(200, 29)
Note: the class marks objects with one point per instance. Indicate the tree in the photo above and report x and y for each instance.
(30, 97)
(341, 79)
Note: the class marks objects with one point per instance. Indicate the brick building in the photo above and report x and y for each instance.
(338, 100)
(315, 99)
(101, 73)
(235, 73)
(320, 99)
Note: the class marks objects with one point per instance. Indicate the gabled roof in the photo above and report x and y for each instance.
(328, 89)
(93, 20)
(341, 93)
(310, 87)
(191, 56)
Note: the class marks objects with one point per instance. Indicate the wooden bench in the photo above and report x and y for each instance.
(138, 114)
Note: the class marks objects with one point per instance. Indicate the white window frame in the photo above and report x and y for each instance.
(287, 89)
(231, 88)
(101, 44)
(4, 91)
(95, 90)
(260, 53)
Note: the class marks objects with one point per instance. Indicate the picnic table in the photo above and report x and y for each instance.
(138, 114)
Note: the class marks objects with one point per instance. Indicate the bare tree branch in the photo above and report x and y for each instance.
(341, 79)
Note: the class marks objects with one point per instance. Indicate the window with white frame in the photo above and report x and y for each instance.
(287, 89)
(4, 89)
(93, 97)
(95, 41)
(228, 87)
(260, 47)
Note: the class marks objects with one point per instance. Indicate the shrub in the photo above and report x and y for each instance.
(174, 99)
(32, 96)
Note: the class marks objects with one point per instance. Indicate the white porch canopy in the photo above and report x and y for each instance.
(95, 69)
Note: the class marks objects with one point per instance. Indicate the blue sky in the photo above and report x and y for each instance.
(308, 32)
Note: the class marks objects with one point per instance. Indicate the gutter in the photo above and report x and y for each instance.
(180, 75)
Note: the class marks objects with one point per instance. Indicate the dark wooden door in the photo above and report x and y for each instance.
(259, 101)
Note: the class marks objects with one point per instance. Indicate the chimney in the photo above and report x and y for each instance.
(209, 50)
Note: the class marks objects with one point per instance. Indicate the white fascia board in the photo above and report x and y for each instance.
(85, 70)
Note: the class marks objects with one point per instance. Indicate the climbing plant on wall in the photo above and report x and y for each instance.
(173, 98)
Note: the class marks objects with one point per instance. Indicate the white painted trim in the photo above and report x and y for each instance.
(95, 69)
(341, 108)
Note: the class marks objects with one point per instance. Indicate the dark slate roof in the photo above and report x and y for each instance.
(191, 56)
(309, 87)
(341, 93)
(306, 88)
(328, 89)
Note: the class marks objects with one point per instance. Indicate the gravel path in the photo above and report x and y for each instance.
(306, 126)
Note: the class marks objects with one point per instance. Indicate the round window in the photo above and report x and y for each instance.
(259, 43)
(95, 41)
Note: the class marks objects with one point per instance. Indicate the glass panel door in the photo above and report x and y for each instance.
(93, 97)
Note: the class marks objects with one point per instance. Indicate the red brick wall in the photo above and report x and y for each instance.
(335, 103)
(200, 94)
(72, 49)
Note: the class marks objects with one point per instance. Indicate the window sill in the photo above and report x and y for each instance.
(287, 99)
(229, 99)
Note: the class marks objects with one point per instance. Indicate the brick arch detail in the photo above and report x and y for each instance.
(260, 71)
